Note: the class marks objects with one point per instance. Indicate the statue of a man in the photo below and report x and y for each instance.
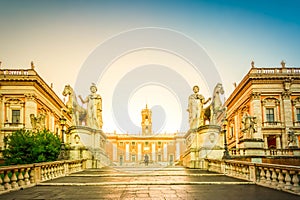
(94, 108)
(195, 108)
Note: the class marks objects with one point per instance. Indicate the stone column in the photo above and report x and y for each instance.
(288, 116)
(278, 142)
(265, 142)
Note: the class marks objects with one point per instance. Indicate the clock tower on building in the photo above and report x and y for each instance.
(146, 121)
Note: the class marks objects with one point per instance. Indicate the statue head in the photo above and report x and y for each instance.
(93, 88)
(196, 89)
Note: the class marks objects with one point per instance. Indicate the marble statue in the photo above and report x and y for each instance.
(196, 102)
(38, 122)
(94, 108)
(77, 112)
(216, 107)
(249, 123)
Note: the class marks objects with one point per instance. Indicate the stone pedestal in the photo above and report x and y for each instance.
(252, 147)
(204, 142)
(88, 144)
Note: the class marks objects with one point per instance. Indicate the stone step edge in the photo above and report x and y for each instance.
(145, 183)
(140, 175)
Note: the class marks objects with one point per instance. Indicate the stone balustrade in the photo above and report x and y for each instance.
(280, 177)
(21, 176)
(267, 152)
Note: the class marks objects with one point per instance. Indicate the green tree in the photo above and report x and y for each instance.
(24, 147)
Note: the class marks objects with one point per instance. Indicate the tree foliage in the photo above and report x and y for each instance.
(24, 147)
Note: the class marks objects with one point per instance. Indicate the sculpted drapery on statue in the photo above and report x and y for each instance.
(195, 108)
(94, 108)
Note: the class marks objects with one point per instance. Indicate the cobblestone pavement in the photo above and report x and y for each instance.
(148, 183)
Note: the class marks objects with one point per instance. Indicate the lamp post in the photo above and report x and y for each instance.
(226, 152)
(62, 155)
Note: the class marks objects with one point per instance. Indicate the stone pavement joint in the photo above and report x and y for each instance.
(145, 183)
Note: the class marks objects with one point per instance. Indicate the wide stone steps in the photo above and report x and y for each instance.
(145, 183)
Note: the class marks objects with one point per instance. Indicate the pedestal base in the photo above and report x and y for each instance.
(252, 147)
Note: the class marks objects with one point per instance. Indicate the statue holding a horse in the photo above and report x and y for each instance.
(200, 115)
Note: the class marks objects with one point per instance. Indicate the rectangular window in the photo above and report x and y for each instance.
(146, 144)
(15, 116)
(132, 143)
(121, 143)
(270, 114)
(298, 114)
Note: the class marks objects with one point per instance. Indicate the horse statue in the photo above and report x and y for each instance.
(77, 112)
(216, 107)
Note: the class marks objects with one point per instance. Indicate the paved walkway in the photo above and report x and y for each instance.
(148, 183)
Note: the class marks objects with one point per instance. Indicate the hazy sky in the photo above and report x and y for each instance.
(122, 46)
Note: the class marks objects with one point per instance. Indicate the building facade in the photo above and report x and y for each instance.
(272, 97)
(26, 101)
(131, 149)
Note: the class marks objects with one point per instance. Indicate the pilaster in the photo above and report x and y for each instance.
(288, 116)
(256, 110)
(30, 108)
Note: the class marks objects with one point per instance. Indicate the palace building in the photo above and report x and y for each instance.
(272, 97)
(269, 96)
(27, 101)
(131, 149)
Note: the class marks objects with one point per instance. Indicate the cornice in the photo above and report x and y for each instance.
(262, 76)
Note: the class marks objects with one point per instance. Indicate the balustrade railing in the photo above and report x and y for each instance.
(233, 152)
(22, 176)
(280, 177)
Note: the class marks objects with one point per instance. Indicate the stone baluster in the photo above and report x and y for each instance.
(14, 179)
(268, 176)
(6, 180)
(1, 181)
(32, 176)
(61, 170)
(233, 167)
(243, 172)
(46, 172)
(262, 174)
(51, 169)
(26, 176)
(43, 175)
(295, 181)
(227, 169)
(21, 177)
(240, 174)
(55, 172)
(274, 177)
(247, 172)
(280, 184)
(287, 180)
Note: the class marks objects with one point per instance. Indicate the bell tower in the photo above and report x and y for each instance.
(146, 121)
